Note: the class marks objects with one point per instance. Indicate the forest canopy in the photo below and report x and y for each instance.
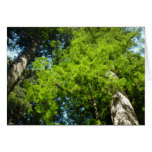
(76, 76)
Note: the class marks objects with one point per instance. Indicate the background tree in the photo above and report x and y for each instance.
(28, 43)
(33, 41)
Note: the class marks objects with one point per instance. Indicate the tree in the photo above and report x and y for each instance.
(80, 83)
(33, 39)
(28, 43)
(81, 74)
(122, 112)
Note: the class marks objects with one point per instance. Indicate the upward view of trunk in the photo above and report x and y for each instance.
(122, 112)
(16, 69)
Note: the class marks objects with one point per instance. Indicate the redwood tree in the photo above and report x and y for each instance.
(96, 76)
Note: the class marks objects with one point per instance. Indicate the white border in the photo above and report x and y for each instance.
(74, 13)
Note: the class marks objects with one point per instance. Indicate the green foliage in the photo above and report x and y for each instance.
(93, 122)
(68, 84)
(18, 105)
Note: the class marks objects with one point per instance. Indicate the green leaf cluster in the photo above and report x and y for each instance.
(91, 54)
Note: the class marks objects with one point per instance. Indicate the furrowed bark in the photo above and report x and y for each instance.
(16, 69)
(122, 112)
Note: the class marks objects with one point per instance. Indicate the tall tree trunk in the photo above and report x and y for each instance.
(16, 69)
(122, 112)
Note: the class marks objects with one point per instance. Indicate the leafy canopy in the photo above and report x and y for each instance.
(75, 77)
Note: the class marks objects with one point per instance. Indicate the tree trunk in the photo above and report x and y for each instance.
(95, 106)
(122, 112)
(16, 69)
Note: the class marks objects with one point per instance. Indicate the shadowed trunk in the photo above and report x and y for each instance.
(122, 112)
(16, 69)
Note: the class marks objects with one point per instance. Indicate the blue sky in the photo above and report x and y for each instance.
(140, 45)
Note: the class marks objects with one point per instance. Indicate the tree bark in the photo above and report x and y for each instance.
(122, 112)
(16, 69)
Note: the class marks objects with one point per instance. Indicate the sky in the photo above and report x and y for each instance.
(140, 45)
(12, 54)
